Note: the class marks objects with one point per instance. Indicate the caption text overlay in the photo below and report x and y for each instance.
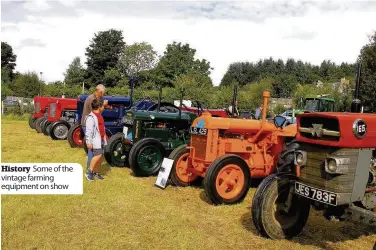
(41, 178)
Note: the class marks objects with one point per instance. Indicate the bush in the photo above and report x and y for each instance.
(279, 109)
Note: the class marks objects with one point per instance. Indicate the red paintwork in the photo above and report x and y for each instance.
(347, 138)
(213, 112)
(44, 101)
(62, 104)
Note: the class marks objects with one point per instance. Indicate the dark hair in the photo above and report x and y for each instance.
(96, 104)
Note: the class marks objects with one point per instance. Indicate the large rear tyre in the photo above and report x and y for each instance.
(146, 157)
(59, 130)
(32, 120)
(75, 136)
(43, 126)
(227, 180)
(38, 124)
(276, 211)
(180, 176)
(116, 152)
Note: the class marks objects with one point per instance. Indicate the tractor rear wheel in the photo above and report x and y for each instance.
(38, 124)
(276, 211)
(116, 152)
(75, 136)
(59, 130)
(32, 120)
(43, 126)
(146, 157)
(179, 175)
(227, 180)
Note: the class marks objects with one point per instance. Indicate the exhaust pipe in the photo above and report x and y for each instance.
(356, 105)
(266, 96)
(159, 99)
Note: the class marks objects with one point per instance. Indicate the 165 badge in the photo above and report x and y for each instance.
(199, 131)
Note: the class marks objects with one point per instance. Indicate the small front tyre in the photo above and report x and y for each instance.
(38, 124)
(277, 212)
(75, 136)
(180, 176)
(116, 151)
(59, 130)
(227, 180)
(32, 120)
(146, 157)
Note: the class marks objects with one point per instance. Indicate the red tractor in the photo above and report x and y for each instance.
(199, 110)
(61, 116)
(40, 110)
(331, 167)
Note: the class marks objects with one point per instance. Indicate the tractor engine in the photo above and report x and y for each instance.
(372, 172)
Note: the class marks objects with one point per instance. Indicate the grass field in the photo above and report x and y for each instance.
(124, 212)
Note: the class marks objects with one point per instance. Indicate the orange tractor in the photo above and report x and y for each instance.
(228, 152)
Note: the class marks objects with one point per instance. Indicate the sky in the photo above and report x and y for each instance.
(47, 35)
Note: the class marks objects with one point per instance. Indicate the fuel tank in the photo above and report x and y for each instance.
(232, 125)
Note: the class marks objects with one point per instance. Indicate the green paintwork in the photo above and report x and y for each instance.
(152, 115)
(149, 158)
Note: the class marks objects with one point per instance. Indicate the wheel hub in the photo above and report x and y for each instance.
(230, 181)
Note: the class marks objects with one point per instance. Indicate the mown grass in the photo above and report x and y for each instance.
(124, 212)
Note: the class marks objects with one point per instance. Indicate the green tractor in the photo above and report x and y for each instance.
(149, 136)
(318, 103)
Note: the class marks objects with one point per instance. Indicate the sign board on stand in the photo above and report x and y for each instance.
(164, 173)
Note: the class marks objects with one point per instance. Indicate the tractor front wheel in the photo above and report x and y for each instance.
(277, 212)
(32, 122)
(227, 180)
(116, 152)
(75, 136)
(180, 176)
(38, 124)
(59, 130)
(43, 126)
(146, 157)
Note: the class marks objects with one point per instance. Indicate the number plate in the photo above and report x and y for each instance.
(125, 131)
(316, 194)
(199, 131)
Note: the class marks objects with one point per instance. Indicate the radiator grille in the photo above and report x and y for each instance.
(37, 107)
(319, 128)
(199, 143)
(313, 173)
(52, 109)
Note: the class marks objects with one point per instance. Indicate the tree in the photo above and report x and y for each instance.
(368, 74)
(27, 85)
(193, 85)
(112, 77)
(136, 58)
(103, 54)
(178, 60)
(8, 59)
(74, 75)
(284, 86)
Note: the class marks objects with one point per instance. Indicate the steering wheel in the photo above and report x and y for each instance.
(164, 107)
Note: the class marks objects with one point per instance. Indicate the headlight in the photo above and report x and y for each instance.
(299, 158)
(332, 165)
